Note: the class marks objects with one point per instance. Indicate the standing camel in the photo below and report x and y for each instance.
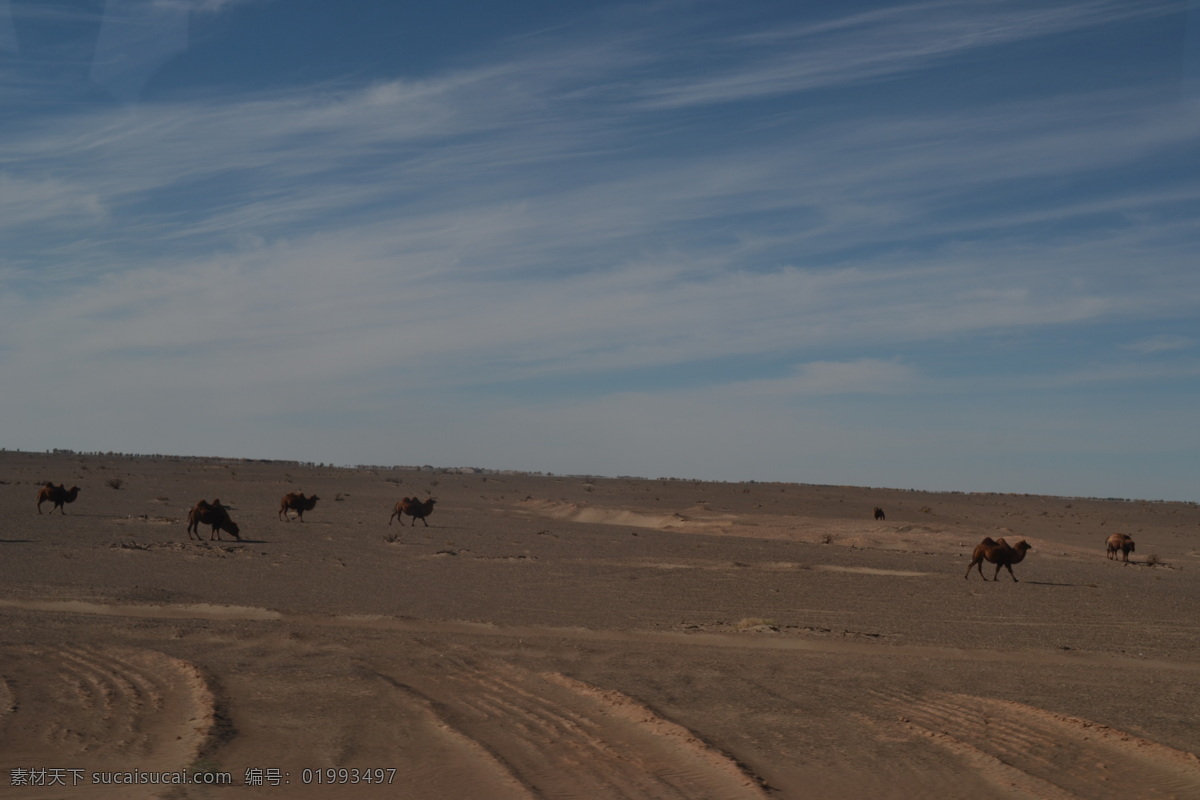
(58, 495)
(1000, 553)
(296, 501)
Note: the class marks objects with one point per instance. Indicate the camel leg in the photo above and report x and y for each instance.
(967, 577)
(1010, 572)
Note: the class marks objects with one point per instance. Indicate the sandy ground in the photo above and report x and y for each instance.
(560, 637)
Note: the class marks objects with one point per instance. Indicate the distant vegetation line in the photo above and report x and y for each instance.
(531, 473)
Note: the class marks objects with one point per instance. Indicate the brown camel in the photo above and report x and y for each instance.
(58, 495)
(213, 514)
(1000, 553)
(879, 513)
(296, 501)
(414, 508)
(1119, 542)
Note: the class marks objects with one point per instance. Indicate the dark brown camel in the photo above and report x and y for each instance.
(296, 501)
(58, 495)
(1119, 542)
(413, 508)
(1000, 553)
(213, 514)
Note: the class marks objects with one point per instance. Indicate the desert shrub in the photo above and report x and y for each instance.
(114, 483)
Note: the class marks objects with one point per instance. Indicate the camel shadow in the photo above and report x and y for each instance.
(243, 540)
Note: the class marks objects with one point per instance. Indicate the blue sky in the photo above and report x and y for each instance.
(934, 245)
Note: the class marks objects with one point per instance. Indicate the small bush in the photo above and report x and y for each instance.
(114, 483)
(1153, 560)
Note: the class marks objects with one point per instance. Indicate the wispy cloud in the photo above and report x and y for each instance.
(861, 376)
(1161, 343)
(587, 209)
(876, 45)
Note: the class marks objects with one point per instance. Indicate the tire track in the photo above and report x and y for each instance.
(102, 707)
(562, 738)
(1038, 753)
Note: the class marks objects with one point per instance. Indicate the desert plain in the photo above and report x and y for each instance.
(575, 637)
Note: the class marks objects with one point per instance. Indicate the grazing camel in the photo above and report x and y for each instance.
(213, 514)
(1119, 542)
(1000, 553)
(879, 513)
(296, 501)
(414, 508)
(58, 495)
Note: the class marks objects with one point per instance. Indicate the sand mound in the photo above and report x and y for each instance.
(549, 735)
(1036, 753)
(102, 708)
(577, 512)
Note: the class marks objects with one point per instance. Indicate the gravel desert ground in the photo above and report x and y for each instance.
(572, 637)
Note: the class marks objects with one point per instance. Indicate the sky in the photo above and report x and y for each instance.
(933, 245)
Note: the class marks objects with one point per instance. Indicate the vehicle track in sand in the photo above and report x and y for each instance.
(555, 736)
(1031, 752)
(102, 708)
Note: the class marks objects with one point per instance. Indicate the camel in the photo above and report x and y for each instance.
(213, 514)
(58, 495)
(296, 501)
(1000, 553)
(1119, 542)
(414, 508)
(879, 513)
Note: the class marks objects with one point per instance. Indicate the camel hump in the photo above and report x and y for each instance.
(1001, 542)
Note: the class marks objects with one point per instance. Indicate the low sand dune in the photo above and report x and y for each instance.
(1040, 754)
(696, 519)
(548, 735)
(101, 708)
